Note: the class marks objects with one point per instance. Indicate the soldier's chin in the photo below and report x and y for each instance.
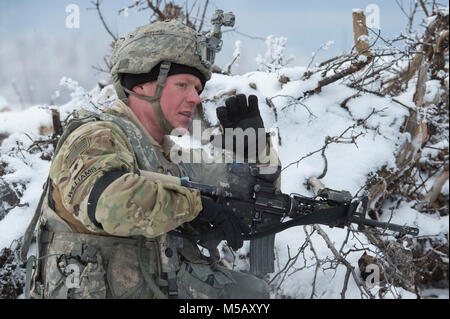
(184, 123)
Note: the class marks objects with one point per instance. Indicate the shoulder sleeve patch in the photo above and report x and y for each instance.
(79, 148)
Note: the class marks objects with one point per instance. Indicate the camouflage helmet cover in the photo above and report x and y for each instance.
(147, 46)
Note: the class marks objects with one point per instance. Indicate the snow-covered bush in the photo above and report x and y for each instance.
(274, 58)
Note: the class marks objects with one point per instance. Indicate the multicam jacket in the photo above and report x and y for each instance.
(131, 204)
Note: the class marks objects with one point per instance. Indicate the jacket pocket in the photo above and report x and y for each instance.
(81, 274)
(124, 273)
(200, 281)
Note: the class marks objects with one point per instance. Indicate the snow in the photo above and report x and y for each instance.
(27, 121)
(436, 293)
(302, 126)
(429, 224)
(28, 169)
(445, 188)
(363, 38)
(237, 49)
(432, 91)
(293, 73)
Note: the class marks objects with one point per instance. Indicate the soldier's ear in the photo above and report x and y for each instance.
(139, 89)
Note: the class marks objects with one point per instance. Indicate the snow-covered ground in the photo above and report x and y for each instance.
(302, 129)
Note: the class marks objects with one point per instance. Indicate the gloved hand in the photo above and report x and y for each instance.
(238, 114)
(222, 220)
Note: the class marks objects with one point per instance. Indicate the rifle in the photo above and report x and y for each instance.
(251, 195)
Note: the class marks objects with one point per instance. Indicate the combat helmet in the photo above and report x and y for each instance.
(161, 44)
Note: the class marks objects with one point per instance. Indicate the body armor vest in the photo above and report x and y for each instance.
(75, 265)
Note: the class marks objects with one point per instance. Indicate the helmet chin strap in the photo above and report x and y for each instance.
(155, 100)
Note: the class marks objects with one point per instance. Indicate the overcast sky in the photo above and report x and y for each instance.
(38, 48)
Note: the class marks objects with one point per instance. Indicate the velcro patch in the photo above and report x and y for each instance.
(77, 150)
(80, 179)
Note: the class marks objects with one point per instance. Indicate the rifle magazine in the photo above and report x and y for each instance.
(262, 255)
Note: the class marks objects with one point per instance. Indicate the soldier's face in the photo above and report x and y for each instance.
(178, 101)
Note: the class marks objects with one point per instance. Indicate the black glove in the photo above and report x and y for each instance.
(222, 221)
(238, 114)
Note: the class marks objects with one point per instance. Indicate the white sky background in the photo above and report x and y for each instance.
(37, 48)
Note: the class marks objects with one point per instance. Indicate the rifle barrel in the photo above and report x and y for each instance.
(394, 227)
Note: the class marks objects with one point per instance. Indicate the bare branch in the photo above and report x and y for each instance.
(336, 139)
(161, 16)
(203, 16)
(424, 8)
(97, 7)
(362, 287)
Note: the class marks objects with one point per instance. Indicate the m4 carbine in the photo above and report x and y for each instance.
(250, 193)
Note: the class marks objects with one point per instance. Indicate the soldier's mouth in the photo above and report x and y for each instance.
(187, 114)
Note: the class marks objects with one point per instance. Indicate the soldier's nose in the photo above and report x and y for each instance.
(194, 97)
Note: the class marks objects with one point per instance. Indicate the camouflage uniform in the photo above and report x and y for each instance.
(131, 207)
(104, 218)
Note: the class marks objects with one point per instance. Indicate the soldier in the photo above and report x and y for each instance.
(105, 221)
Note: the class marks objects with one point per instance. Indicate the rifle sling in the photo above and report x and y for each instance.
(329, 216)
(338, 215)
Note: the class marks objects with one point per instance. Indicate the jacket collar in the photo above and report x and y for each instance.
(121, 109)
